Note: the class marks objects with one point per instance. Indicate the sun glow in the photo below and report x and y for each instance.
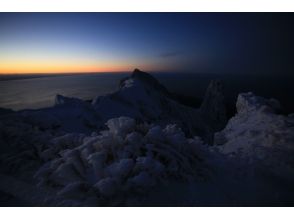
(26, 66)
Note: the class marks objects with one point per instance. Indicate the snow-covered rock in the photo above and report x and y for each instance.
(248, 102)
(258, 135)
(143, 98)
(124, 159)
(121, 125)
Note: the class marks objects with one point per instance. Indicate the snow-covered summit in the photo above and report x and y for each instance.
(147, 79)
(142, 97)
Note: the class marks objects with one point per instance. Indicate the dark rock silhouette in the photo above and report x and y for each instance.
(147, 79)
(213, 107)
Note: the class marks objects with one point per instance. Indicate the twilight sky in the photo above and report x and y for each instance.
(171, 42)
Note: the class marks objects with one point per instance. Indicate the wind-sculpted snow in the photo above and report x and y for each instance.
(260, 136)
(126, 160)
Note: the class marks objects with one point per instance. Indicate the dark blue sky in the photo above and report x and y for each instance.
(175, 42)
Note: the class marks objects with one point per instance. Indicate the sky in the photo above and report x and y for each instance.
(236, 43)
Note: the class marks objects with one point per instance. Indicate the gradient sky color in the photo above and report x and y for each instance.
(158, 42)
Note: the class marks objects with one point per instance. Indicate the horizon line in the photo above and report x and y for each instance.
(86, 72)
(63, 72)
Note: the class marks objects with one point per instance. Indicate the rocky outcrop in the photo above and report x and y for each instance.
(213, 107)
(259, 135)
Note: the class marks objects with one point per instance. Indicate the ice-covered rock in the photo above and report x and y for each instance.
(139, 96)
(121, 125)
(143, 98)
(124, 159)
(259, 135)
(248, 102)
(127, 83)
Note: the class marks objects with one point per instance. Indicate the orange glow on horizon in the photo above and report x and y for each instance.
(55, 67)
(55, 70)
(25, 68)
(66, 68)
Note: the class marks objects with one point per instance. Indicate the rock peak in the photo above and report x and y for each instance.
(136, 70)
(146, 78)
(143, 76)
(213, 107)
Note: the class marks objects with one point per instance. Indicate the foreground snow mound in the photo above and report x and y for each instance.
(257, 134)
(128, 158)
